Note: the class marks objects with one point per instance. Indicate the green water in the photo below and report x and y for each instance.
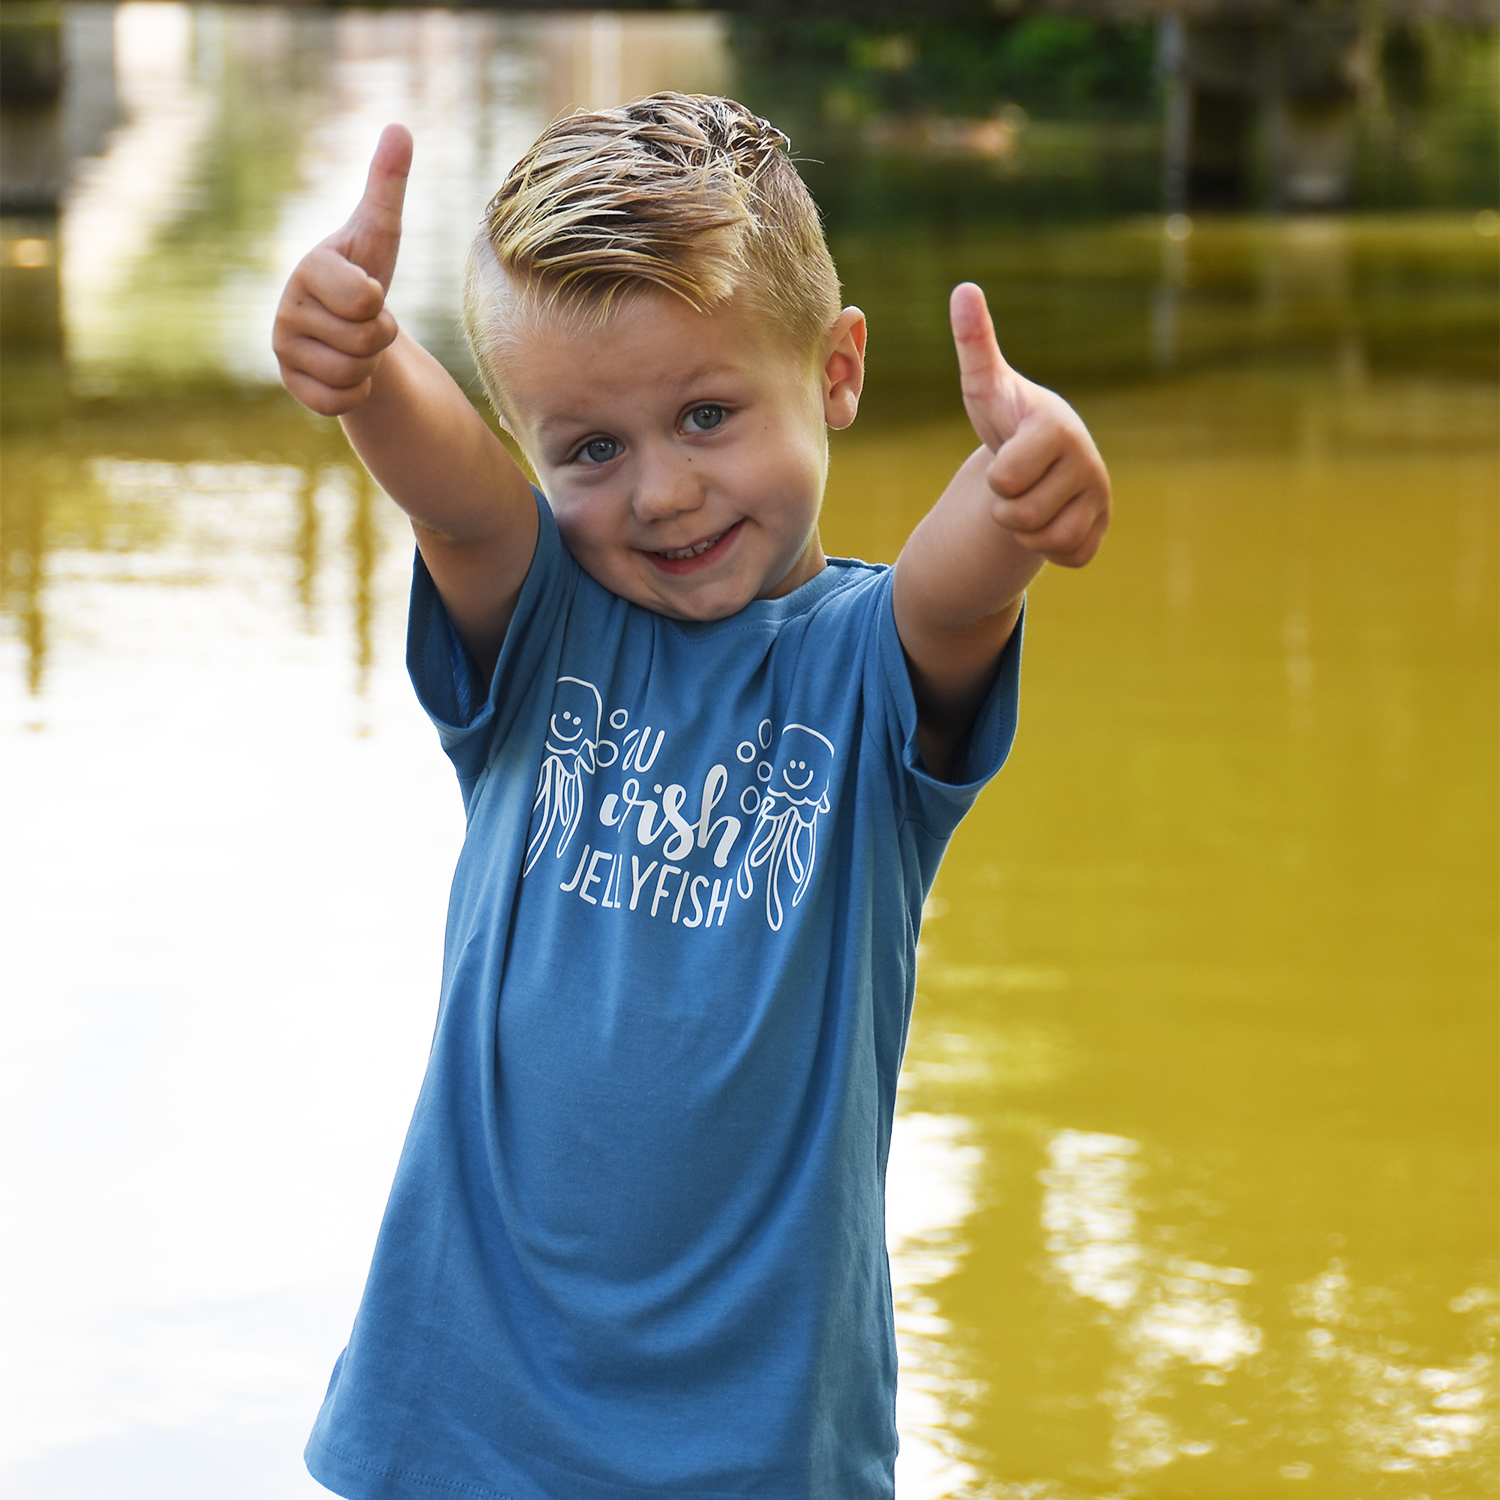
(1194, 1186)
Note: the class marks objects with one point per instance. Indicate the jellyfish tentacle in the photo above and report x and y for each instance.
(785, 831)
(543, 810)
(572, 808)
(762, 844)
(808, 826)
(786, 843)
(795, 864)
(567, 757)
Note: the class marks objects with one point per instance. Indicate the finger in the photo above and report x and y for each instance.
(327, 401)
(1035, 506)
(1090, 546)
(360, 340)
(1074, 532)
(372, 236)
(1050, 434)
(986, 380)
(1066, 483)
(1067, 552)
(327, 278)
(330, 367)
(1027, 456)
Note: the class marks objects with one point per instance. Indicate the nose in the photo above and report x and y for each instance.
(668, 483)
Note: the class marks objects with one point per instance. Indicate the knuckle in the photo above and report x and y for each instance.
(368, 302)
(370, 338)
(1026, 509)
(1080, 554)
(1070, 541)
(312, 395)
(1004, 480)
(321, 399)
(1007, 514)
(341, 373)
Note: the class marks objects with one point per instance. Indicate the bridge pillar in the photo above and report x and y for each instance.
(31, 80)
(1259, 111)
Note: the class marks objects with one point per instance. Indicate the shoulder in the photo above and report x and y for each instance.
(856, 585)
(846, 590)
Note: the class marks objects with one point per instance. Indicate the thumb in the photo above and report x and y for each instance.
(372, 236)
(993, 393)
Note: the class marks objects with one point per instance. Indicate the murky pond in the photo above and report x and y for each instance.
(1194, 1181)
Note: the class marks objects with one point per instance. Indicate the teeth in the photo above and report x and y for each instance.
(684, 552)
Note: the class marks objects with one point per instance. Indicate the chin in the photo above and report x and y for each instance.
(704, 611)
(714, 601)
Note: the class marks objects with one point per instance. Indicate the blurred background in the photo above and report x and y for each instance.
(1193, 1190)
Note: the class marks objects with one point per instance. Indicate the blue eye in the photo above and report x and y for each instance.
(599, 450)
(705, 418)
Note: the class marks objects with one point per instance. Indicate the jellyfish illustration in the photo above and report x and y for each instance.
(785, 837)
(571, 752)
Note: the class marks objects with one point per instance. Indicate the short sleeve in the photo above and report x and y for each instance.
(937, 807)
(471, 716)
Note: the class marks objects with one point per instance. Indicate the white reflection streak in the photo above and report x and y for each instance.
(1088, 1212)
(1397, 1416)
(929, 1193)
(1162, 1312)
(123, 198)
(219, 523)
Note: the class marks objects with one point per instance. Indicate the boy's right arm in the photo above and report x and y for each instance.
(342, 355)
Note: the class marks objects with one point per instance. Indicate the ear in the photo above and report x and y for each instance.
(844, 368)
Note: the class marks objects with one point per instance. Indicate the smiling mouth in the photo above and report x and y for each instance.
(681, 554)
(685, 559)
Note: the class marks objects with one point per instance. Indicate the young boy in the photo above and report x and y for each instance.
(635, 1243)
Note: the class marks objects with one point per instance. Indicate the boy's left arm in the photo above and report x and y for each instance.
(1036, 492)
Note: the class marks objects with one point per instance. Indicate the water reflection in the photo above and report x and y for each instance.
(219, 524)
(1163, 1311)
(933, 1172)
(1089, 1215)
(1394, 1415)
(202, 201)
(1206, 986)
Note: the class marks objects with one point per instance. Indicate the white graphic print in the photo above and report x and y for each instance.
(785, 838)
(572, 752)
(658, 853)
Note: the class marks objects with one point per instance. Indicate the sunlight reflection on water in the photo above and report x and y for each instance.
(931, 1180)
(206, 1082)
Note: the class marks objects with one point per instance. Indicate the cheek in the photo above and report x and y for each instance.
(576, 525)
(790, 456)
(803, 473)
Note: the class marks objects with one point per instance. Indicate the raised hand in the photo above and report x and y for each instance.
(332, 324)
(1049, 486)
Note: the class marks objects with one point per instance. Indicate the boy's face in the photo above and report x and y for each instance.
(683, 453)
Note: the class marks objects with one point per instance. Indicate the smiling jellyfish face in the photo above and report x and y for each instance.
(576, 715)
(804, 762)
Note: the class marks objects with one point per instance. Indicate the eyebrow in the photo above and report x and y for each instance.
(700, 374)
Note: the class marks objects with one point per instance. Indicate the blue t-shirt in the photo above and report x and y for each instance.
(635, 1245)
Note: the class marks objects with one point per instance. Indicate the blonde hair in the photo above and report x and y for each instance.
(686, 193)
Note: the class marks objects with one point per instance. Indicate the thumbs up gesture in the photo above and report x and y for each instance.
(1049, 487)
(332, 324)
